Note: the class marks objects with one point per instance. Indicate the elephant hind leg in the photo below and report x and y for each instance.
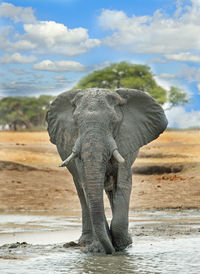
(109, 189)
(119, 227)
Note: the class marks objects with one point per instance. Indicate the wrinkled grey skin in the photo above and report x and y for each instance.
(89, 127)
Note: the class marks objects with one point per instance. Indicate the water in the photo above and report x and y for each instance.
(163, 242)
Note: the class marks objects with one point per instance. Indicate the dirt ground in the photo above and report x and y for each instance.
(165, 175)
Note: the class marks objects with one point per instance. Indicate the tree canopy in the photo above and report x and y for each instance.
(132, 76)
(176, 96)
(24, 112)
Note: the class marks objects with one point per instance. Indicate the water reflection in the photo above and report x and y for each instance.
(118, 263)
(167, 256)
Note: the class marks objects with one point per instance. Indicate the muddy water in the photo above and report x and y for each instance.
(163, 242)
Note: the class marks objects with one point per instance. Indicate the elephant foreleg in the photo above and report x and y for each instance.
(87, 233)
(87, 230)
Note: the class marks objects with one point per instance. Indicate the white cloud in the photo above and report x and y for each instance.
(50, 37)
(166, 81)
(183, 56)
(16, 58)
(163, 82)
(166, 76)
(31, 88)
(180, 118)
(191, 74)
(38, 76)
(101, 65)
(157, 60)
(59, 77)
(28, 88)
(21, 45)
(154, 34)
(198, 87)
(17, 14)
(49, 65)
(18, 71)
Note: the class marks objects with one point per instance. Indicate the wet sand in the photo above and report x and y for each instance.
(66, 225)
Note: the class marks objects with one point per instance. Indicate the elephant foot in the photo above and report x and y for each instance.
(95, 247)
(86, 238)
(121, 242)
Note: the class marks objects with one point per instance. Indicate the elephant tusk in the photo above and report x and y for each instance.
(118, 156)
(65, 162)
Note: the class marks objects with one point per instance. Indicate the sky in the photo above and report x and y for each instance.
(46, 46)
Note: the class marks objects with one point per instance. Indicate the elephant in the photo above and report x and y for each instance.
(98, 133)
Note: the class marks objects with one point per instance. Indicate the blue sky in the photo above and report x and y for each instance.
(46, 46)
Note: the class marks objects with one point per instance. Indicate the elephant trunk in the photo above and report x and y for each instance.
(95, 156)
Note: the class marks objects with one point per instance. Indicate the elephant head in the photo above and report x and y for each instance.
(96, 125)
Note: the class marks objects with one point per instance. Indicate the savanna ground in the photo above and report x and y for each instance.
(166, 173)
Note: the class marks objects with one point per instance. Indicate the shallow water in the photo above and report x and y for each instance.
(163, 242)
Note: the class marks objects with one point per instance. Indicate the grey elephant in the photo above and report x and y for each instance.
(98, 133)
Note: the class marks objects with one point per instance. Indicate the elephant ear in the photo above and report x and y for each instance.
(143, 120)
(61, 127)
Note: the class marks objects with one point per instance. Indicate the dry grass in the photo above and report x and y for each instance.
(49, 187)
(24, 137)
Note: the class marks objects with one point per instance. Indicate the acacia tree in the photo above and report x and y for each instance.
(176, 97)
(28, 112)
(134, 76)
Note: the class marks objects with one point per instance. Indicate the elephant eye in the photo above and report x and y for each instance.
(73, 105)
(112, 99)
(75, 101)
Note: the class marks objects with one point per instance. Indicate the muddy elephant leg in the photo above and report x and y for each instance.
(121, 198)
(96, 246)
